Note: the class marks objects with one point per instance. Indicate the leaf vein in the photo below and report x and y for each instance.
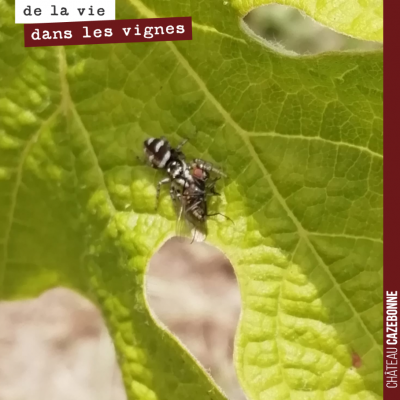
(15, 192)
(244, 135)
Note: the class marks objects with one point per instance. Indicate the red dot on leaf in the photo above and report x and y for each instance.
(356, 360)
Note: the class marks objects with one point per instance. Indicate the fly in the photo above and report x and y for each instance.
(192, 200)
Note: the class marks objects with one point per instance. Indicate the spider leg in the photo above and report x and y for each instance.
(160, 183)
(180, 145)
(207, 166)
(218, 213)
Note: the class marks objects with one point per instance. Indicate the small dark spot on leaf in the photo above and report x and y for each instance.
(356, 360)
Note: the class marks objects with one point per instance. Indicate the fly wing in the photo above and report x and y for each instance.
(196, 207)
(183, 226)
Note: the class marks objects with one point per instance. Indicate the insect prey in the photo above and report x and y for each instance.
(190, 183)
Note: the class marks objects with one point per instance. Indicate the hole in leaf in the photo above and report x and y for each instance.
(56, 347)
(288, 29)
(192, 290)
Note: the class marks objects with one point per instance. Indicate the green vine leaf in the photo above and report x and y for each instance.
(301, 141)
